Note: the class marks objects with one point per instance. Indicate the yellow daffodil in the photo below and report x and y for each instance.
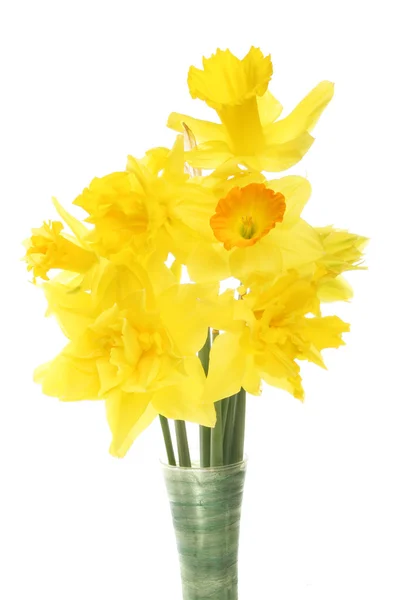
(272, 328)
(153, 206)
(343, 251)
(262, 232)
(249, 132)
(48, 248)
(130, 347)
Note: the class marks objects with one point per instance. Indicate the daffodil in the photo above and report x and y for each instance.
(152, 207)
(130, 347)
(258, 233)
(271, 330)
(343, 251)
(249, 132)
(49, 248)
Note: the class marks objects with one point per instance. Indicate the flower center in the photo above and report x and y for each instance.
(246, 215)
(247, 227)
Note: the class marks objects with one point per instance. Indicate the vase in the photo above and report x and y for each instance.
(206, 508)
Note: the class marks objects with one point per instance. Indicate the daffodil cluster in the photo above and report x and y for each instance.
(135, 327)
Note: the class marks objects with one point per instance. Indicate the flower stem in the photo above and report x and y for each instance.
(239, 428)
(225, 409)
(205, 446)
(217, 448)
(229, 426)
(168, 441)
(205, 432)
(183, 446)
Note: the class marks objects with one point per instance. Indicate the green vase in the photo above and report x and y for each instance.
(206, 507)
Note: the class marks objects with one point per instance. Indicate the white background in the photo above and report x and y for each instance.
(84, 84)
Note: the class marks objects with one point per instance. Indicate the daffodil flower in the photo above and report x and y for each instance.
(135, 350)
(258, 233)
(271, 329)
(50, 248)
(249, 132)
(152, 207)
(343, 251)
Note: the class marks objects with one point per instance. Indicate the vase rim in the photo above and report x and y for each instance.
(198, 469)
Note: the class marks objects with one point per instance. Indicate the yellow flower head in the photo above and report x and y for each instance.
(121, 351)
(48, 249)
(246, 215)
(278, 239)
(131, 347)
(344, 250)
(152, 206)
(249, 132)
(272, 328)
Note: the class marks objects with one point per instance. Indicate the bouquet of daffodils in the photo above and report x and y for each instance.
(141, 287)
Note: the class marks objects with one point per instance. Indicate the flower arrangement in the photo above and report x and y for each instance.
(140, 288)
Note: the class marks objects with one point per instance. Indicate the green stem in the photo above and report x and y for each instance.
(225, 408)
(183, 446)
(205, 446)
(217, 449)
(168, 441)
(229, 426)
(239, 429)
(205, 432)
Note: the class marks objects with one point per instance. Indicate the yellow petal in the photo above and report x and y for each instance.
(280, 370)
(208, 155)
(298, 245)
(221, 312)
(291, 385)
(108, 376)
(128, 415)
(281, 156)
(184, 401)
(269, 108)
(208, 262)
(252, 377)
(77, 228)
(195, 210)
(69, 378)
(174, 162)
(303, 118)
(230, 175)
(333, 290)
(326, 332)
(154, 159)
(181, 317)
(262, 258)
(227, 367)
(297, 191)
(72, 307)
(204, 131)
